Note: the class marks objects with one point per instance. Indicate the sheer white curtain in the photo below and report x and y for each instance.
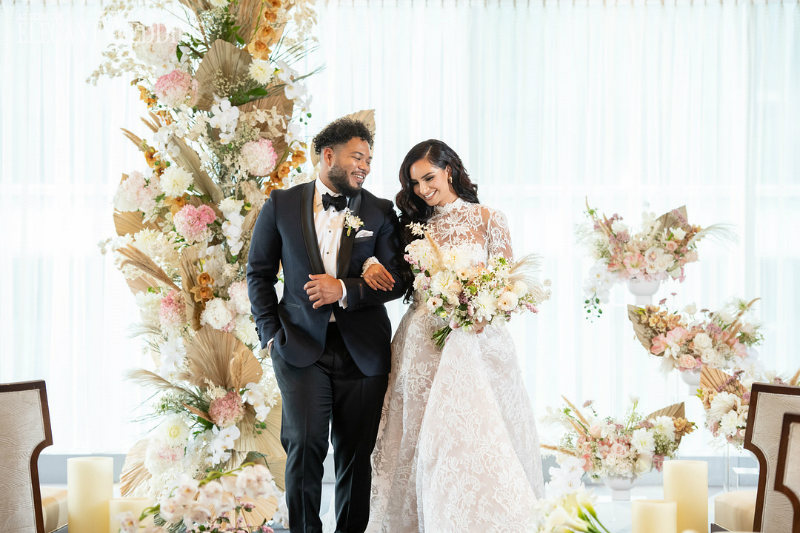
(628, 104)
(631, 104)
(65, 311)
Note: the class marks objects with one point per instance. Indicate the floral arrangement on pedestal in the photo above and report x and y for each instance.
(220, 502)
(620, 448)
(726, 399)
(659, 250)
(226, 113)
(689, 340)
(464, 294)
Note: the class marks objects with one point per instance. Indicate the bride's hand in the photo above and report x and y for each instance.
(378, 278)
(478, 325)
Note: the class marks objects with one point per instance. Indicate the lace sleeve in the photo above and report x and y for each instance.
(498, 238)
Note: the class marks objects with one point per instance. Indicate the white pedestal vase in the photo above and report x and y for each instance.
(692, 379)
(620, 487)
(643, 290)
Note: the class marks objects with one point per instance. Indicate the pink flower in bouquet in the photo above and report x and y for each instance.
(596, 431)
(658, 462)
(740, 349)
(173, 310)
(175, 88)
(671, 246)
(687, 362)
(691, 256)
(227, 410)
(135, 194)
(658, 344)
(192, 222)
(259, 157)
(633, 261)
(587, 462)
(677, 335)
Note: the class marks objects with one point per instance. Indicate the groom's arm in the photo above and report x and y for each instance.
(263, 263)
(389, 251)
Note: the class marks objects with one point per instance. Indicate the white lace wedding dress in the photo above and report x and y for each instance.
(457, 445)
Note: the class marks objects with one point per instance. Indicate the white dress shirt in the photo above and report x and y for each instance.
(329, 225)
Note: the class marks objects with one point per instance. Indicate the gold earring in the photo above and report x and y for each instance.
(449, 179)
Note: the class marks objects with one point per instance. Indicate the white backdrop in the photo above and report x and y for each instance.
(633, 104)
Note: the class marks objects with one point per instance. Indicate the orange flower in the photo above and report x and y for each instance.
(270, 17)
(284, 169)
(298, 158)
(202, 293)
(147, 97)
(205, 279)
(176, 203)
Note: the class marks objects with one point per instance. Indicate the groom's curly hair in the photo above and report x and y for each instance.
(340, 132)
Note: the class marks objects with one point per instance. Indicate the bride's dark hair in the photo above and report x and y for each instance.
(412, 207)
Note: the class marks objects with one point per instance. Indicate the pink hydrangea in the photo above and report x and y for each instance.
(192, 222)
(174, 88)
(135, 194)
(227, 410)
(172, 312)
(259, 157)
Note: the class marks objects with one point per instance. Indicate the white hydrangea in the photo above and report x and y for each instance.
(729, 423)
(149, 304)
(237, 292)
(175, 180)
(244, 329)
(216, 314)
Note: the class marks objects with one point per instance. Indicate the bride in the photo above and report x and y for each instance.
(457, 446)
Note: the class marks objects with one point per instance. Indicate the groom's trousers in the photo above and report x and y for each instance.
(332, 391)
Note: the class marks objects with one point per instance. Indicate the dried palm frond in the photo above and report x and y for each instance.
(225, 64)
(246, 13)
(263, 509)
(795, 381)
(189, 258)
(147, 378)
(209, 356)
(265, 442)
(367, 116)
(717, 380)
(150, 272)
(676, 410)
(130, 222)
(134, 139)
(133, 471)
(677, 218)
(643, 333)
(189, 160)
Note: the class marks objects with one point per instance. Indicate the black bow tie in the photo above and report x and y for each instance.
(338, 202)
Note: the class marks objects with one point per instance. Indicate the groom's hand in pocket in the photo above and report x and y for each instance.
(323, 289)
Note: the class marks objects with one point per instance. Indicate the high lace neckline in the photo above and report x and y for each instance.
(446, 208)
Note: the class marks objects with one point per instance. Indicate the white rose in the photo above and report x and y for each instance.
(507, 301)
(729, 423)
(678, 233)
(690, 309)
(644, 463)
(702, 341)
(618, 227)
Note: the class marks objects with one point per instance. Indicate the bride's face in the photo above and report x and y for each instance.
(432, 183)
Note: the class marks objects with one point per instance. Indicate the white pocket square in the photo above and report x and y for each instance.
(363, 234)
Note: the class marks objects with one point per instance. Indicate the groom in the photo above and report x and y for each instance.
(329, 334)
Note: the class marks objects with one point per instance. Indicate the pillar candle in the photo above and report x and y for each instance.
(654, 516)
(90, 482)
(121, 505)
(686, 483)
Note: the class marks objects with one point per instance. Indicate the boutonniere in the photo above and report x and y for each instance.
(351, 221)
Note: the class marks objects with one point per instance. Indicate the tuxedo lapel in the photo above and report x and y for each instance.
(309, 230)
(346, 244)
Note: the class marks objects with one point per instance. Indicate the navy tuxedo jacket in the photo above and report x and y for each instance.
(284, 235)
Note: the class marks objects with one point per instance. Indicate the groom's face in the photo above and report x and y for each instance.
(349, 166)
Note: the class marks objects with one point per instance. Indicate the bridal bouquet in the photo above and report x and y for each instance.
(621, 448)
(220, 502)
(464, 294)
(569, 506)
(226, 111)
(726, 399)
(690, 340)
(658, 251)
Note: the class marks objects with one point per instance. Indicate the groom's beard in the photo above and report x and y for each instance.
(339, 179)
